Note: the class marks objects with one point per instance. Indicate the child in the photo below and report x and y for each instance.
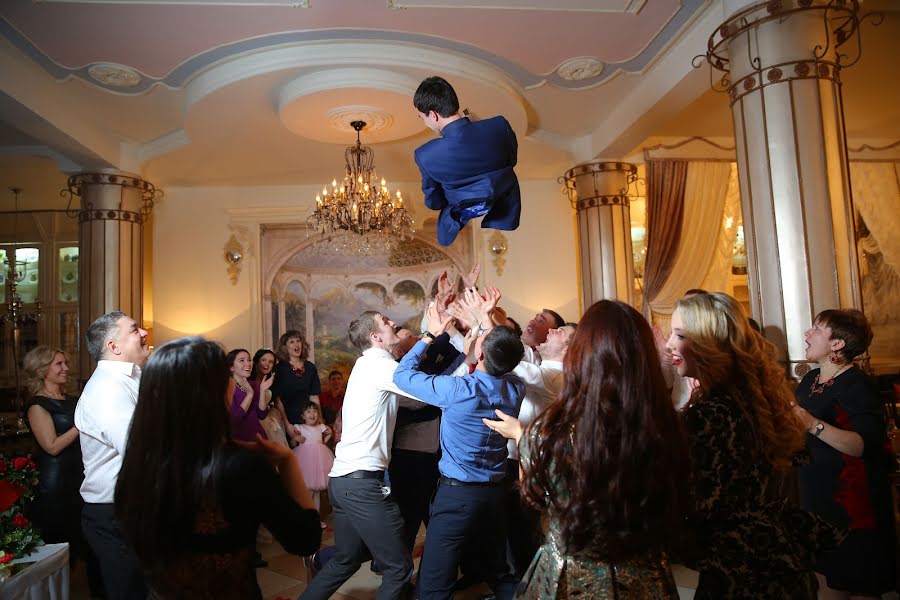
(316, 459)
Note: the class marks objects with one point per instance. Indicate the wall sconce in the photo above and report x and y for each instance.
(233, 255)
(498, 246)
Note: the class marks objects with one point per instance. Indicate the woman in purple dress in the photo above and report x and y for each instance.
(249, 399)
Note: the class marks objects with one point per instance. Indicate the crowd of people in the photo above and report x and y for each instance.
(162, 472)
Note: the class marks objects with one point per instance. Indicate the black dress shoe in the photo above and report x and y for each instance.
(258, 562)
(375, 568)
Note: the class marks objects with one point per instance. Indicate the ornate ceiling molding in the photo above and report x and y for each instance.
(588, 6)
(451, 50)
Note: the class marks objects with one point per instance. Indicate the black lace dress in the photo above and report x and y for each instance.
(849, 491)
(218, 561)
(56, 508)
(750, 542)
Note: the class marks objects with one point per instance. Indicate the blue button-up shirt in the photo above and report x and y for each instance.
(471, 451)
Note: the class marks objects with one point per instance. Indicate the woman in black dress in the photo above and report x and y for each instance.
(56, 508)
(188, 499)
(846, 481)
(750, 542)
(296, 379)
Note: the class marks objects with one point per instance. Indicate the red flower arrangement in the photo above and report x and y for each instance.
(18, 479)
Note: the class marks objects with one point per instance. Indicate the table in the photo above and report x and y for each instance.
(46, 579)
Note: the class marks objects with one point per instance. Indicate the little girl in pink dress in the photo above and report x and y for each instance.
(316, 459)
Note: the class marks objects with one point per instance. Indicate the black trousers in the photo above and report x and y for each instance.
(524, 535)
(414, 476)
(365, 519)
(123, 577)
(461, 515)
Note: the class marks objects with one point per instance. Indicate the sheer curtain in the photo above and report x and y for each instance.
(665, 208)
(877, 198)
(717, 277)
(702, 229)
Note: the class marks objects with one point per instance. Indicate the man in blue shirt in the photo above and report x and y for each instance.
(469, 501)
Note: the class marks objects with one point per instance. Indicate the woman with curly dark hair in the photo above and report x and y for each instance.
(609, 464)
(743, 434)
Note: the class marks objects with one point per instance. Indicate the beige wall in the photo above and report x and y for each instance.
(192, 293)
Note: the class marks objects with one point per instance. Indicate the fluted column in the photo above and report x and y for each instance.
(114, 207)
(599, 193)
(781, 62)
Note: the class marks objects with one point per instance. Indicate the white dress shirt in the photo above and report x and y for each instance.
(103, 417)
(369, 414)
(542, 386)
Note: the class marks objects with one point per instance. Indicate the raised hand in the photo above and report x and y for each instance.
(437, 323)
(470, 279)
(266, 384)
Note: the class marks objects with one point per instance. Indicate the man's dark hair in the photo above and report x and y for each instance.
(515, 326)
(361, 328)
(101, 331)
(558, 321)
(502, 350)
(435, 94)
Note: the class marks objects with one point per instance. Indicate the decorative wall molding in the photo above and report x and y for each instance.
(163, 145)
(584, 6)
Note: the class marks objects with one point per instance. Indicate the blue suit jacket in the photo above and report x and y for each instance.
(468, 172)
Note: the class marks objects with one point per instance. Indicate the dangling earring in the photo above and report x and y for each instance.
(834, 358)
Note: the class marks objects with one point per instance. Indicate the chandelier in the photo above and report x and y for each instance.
(15, 314)
(360, 205)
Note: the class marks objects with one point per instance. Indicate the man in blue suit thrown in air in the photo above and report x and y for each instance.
(468, 171)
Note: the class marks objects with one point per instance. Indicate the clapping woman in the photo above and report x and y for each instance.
(847, 478)
(56, 508)
(275, 422)
(249, 399)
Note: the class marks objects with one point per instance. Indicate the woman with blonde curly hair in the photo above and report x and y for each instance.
(743, 434)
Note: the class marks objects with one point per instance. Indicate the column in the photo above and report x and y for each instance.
(781, 62)
(599, 193)
(114, 207)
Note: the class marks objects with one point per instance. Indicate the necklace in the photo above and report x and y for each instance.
(240, 387)
(819, 388)
(298, 371)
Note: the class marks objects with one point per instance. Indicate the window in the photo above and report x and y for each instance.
(68, 274)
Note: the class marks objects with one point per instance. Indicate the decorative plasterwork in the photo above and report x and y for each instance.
(281, 3)
(113, 75)
(456, 57)
(580, 68)
(163, 145)
(589, 6)
(341, 117)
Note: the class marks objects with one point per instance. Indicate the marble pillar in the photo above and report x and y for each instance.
(114, 207)
(600, 194)
(780, 63)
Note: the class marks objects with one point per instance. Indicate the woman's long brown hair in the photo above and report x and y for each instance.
(609, 457)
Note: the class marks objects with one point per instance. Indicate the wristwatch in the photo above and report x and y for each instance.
(429, 335)
(818, 428)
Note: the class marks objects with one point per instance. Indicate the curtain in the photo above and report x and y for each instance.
(665, 209)
(877, 198)
(717, 277)
(705, 188)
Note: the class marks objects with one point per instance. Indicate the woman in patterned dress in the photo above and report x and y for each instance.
(608, 463)
(743, 434)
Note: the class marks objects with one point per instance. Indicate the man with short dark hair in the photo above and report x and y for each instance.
(367, 520)
(469, 500)
(103, 417)
(468, 171)
(536, 331)
(332, 399)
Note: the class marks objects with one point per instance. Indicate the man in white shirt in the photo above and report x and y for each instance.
(536, 332)
(103, 417)
(366, 517)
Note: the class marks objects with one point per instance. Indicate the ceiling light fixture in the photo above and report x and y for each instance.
(361, 205)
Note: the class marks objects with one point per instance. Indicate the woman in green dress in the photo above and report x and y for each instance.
(608, 464)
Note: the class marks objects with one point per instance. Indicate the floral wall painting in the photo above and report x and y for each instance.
(320, 292)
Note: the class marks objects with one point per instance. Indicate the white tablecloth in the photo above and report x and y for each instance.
(46, 579)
